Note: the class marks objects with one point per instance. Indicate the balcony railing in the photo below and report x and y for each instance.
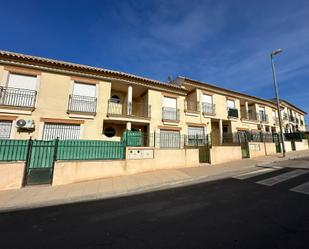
(193, 106)
(232, 113)
(263, 117)
(82, 104)
(208, 108)
(134, 109)
(170, 114)
(291, 118)
(285, 116)
(249, 115)
(17, 97)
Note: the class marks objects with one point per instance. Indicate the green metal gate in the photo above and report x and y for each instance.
(41, 156)
(276, 138)
(204, 153)
(243, 141)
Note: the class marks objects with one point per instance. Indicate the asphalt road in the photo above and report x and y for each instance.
(229, 213)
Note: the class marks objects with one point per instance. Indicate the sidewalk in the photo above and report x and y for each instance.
(41, 196)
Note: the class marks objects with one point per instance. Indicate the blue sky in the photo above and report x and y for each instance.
(226, 43)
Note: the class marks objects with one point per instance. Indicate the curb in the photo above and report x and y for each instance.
(105, 196)
(141, 190)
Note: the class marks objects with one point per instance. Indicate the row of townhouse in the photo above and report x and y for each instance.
(46, 99)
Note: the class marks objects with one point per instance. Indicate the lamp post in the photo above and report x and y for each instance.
(277, 96)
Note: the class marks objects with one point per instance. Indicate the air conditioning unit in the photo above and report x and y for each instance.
(25, 124)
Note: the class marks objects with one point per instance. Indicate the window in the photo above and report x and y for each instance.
(207, 98)
(169, 139)
(110, 132)
(5, 129)
(62, 131)
(231, 104)
(22, 81)
(115, 99)
(169, 109)
(170, 102)
(196, 135)
(207, 105)
(82, 89)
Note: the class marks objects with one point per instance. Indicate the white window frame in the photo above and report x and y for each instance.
(231, 101)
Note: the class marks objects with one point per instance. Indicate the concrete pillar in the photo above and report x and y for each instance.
(247, 109)
(129, 126)
(221, 131)
(129, 104)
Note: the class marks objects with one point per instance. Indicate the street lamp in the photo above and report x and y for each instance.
(277, 96)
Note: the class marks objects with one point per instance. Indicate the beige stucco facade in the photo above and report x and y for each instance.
(129, 102)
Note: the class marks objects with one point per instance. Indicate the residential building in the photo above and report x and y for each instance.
(293, 118)
(45, 99)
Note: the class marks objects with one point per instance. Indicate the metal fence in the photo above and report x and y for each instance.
(208, 108)
(295, 136)
(240, 137)
(10, 96)
(165, 140)
(169, 113)
(90, 150)
(18, 150)
(83, 104)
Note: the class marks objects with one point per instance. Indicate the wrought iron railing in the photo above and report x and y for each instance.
(232, 112)
(134, 109)
(291, 118)
(285, 116)
(82, 104)
(208, 108)
(239, 137)
(169, 113)
(263, 117)
(17, 97)
(192, 106)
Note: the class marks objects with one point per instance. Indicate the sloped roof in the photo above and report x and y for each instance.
(30, 58)
(288, 103)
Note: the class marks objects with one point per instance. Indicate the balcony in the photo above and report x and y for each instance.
(192, 106)
(291, 119)
(276, 120)
(133, 110)
(232, 113)
(249, 115)
(170, 114)
(208, 108)
(263, 117)
(82, 104)
(17, 97)
(285, 116)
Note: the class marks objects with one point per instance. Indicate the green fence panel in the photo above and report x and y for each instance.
(133, 138)
(42, 154)
(13, 150)
(90, 150)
